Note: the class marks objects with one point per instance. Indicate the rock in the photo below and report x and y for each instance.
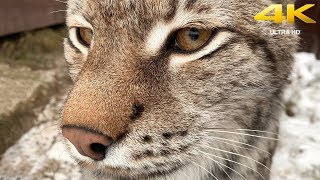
(40, 153)
(24, 92)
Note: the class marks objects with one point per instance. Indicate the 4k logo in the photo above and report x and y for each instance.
(291, 14)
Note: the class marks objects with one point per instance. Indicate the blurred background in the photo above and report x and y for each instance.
(34, 82)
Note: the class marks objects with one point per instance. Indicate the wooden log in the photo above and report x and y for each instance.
(24, 15)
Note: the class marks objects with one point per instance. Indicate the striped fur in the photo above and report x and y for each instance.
(202, 111)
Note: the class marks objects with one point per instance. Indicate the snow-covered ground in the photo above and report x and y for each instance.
(298, 153)
(40, 154)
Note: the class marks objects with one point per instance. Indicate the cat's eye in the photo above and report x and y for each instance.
(84, 35)
(190, 39)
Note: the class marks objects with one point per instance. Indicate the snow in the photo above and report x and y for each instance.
(40, 153)
(298, 153)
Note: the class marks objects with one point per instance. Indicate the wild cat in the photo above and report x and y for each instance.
(174, 89)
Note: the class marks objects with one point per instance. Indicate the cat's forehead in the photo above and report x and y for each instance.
(114, 9)
(166, 9)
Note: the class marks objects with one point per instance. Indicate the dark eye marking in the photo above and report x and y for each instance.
(72, 45)
(137, 110)
(84, 36)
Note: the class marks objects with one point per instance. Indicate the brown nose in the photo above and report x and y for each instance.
(88, 143)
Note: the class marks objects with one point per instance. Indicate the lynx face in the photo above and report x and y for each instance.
(174, 89)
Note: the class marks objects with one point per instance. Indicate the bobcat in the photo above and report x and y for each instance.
(174, 89)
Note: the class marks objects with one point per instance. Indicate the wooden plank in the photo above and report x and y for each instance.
(24, 15)
(310, 36)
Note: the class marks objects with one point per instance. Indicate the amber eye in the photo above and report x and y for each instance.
(85, 35)
(190, 39)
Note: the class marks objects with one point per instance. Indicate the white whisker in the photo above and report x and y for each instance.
(232, 144)
(242, 144)
(57, 11)
(204, 169)
(250, 130)
(280, 137)
(223, 170)
(231, 161)
(245, 134)
(65, 2)
(238, 155)
(226, 167)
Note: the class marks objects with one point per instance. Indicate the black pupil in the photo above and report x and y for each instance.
(194, 34)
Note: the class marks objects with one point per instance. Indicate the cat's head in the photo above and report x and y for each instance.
(156, 81)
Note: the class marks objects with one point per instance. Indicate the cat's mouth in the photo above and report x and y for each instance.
(156, 170)
(121, 161)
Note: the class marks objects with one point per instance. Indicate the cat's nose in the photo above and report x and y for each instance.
(88, 143)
